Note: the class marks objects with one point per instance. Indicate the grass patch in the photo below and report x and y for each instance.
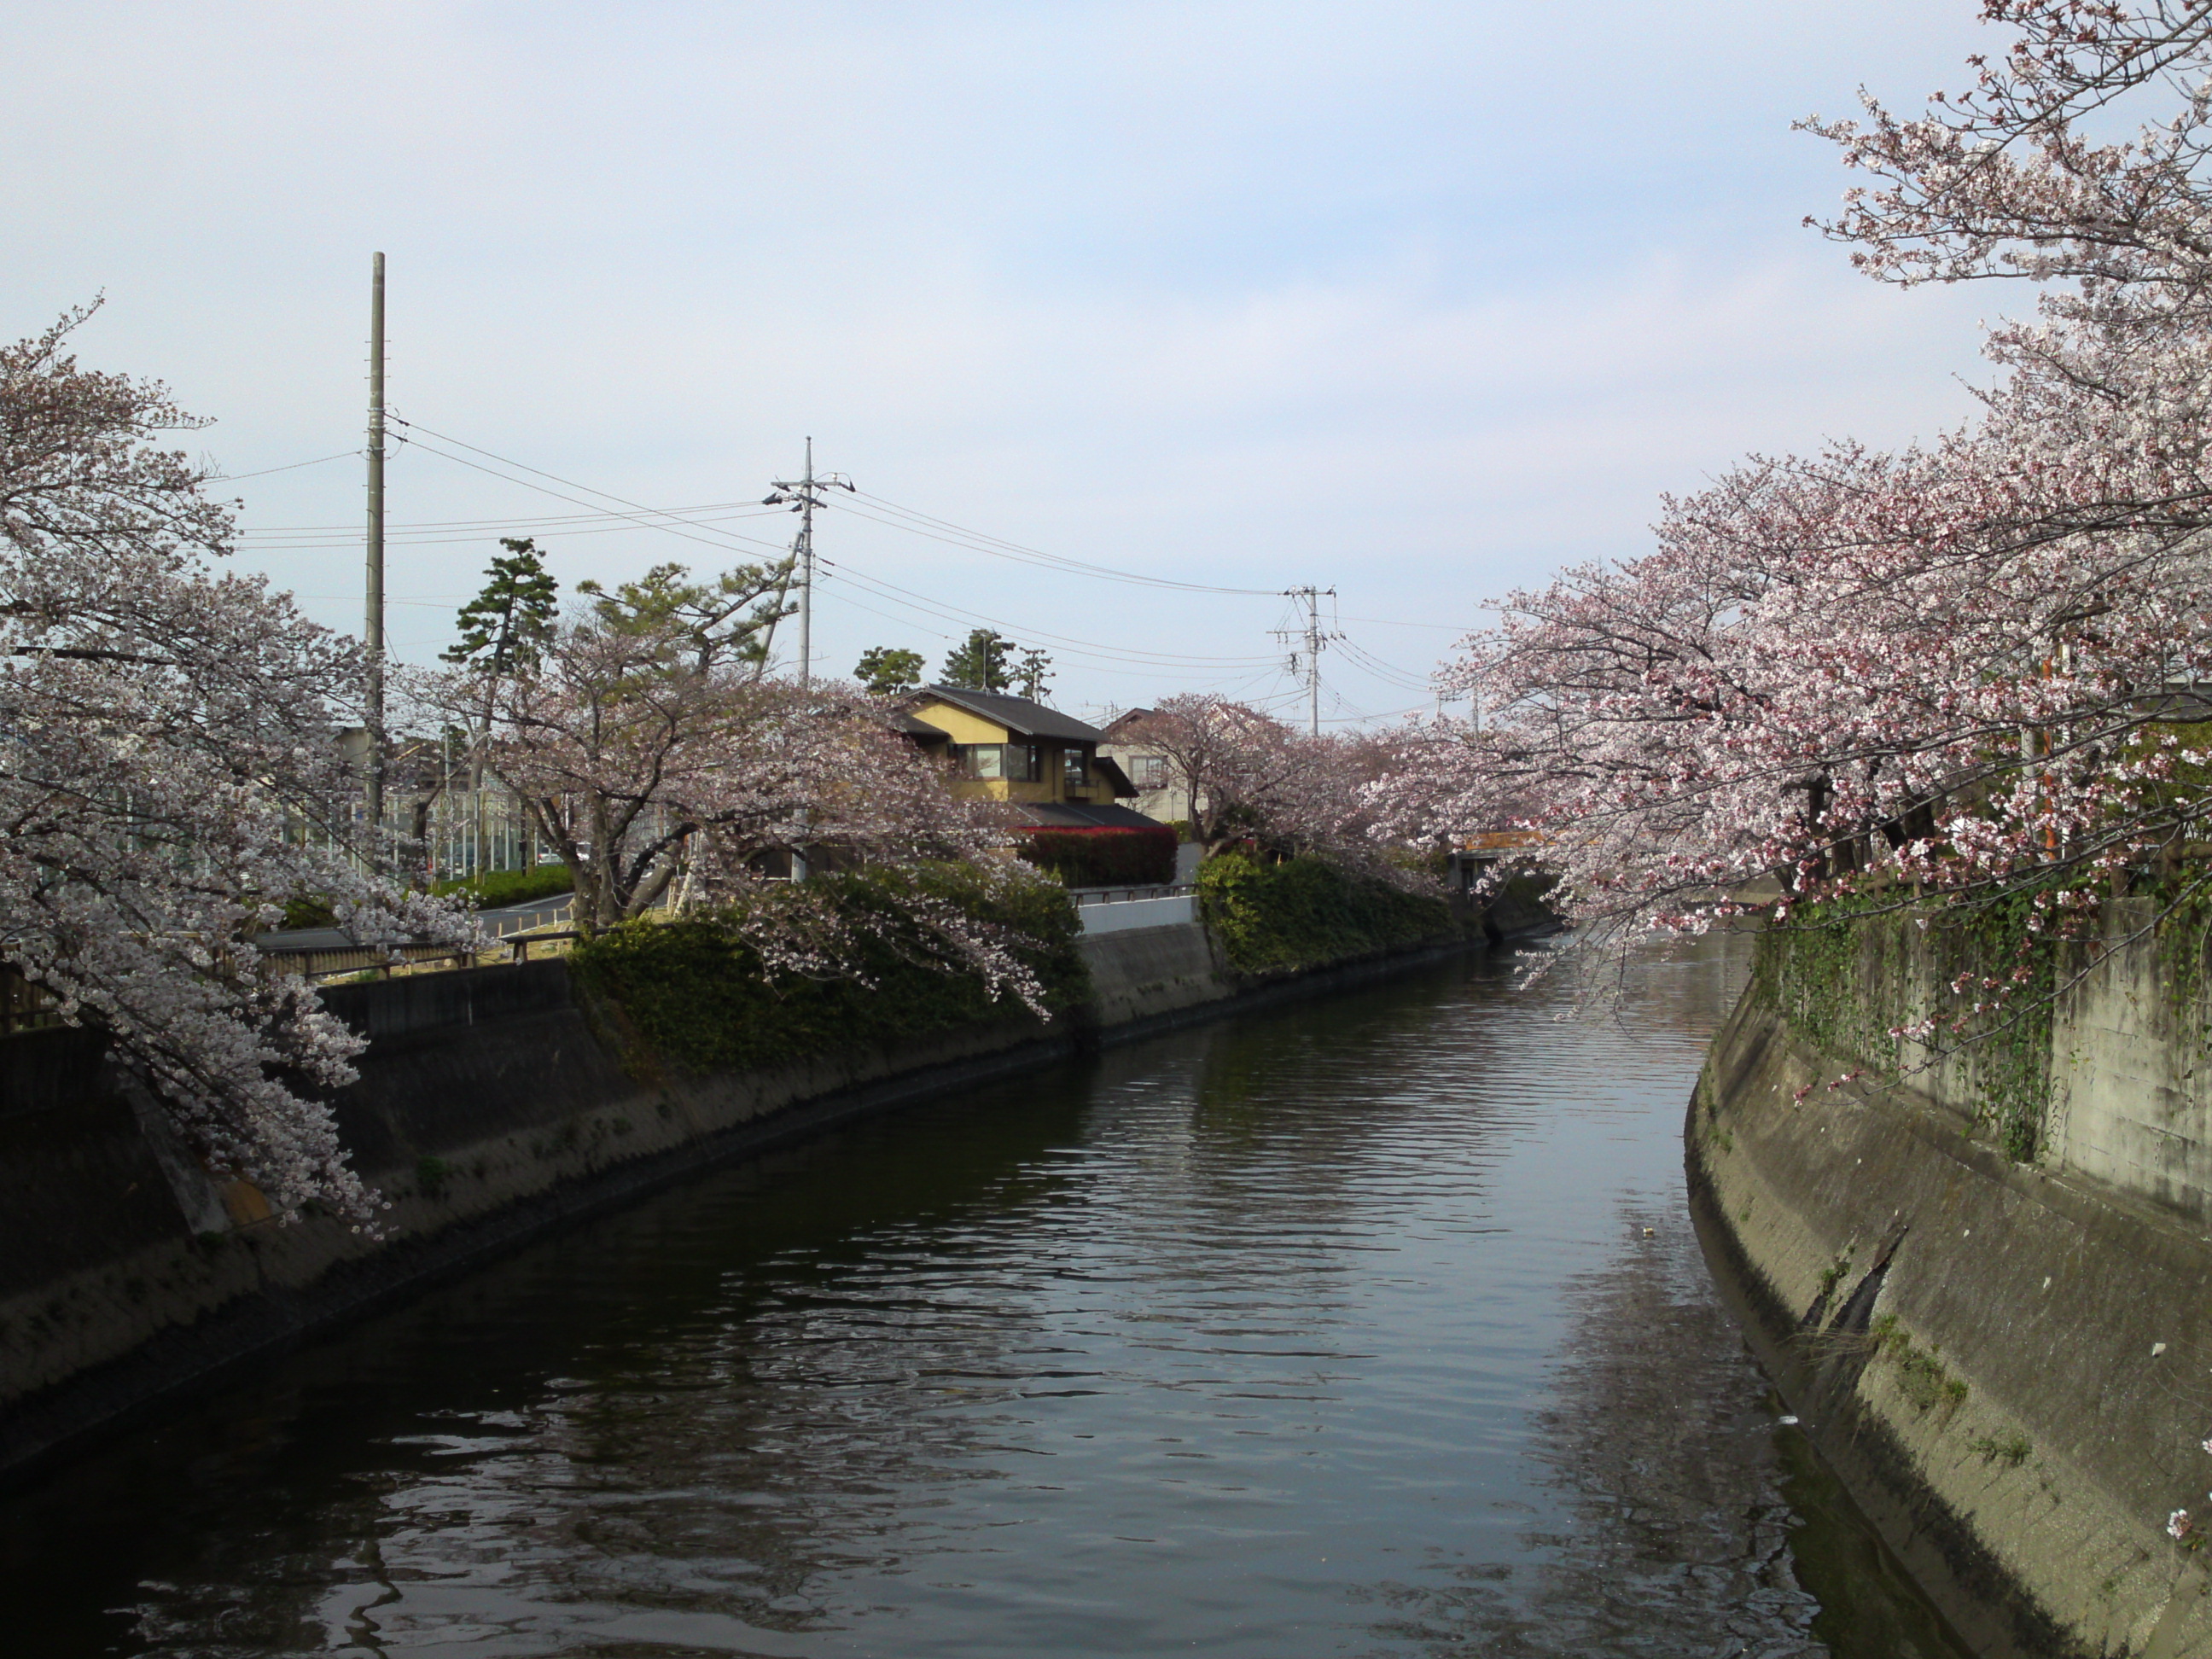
(1833, 1274)
(2012, 1451)
(1921, 1376)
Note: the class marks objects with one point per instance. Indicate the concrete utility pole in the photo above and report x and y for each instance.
(1315, 640)
(804, 494)
(372, 630)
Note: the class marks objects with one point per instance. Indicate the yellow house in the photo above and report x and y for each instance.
(1008, 748)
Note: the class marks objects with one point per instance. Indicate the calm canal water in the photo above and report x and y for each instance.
(1373, 1326)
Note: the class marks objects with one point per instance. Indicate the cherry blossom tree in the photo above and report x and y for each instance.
(1234, 764)
(665, 769)
(170, 773)
(1970, 668)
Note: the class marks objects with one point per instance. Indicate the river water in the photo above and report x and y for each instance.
(1368, 1325)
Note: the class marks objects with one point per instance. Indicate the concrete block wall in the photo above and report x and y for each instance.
(2132, 1073)
(2009, 1364)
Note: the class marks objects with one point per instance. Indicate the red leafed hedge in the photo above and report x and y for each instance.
(1104, 857)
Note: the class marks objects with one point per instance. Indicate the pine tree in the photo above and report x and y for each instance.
(1032, 676)
(981, 662)
(886, 670)
(504, 627)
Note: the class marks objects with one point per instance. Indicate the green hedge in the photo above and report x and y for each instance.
(307, 910)
(497, 887)
(1104, 858)
(693, 991)
(1305, 914)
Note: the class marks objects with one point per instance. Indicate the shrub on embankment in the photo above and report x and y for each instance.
(1280, 918)
(497, 887)
(694, 992)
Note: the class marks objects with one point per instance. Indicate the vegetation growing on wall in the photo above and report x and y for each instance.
(1848, 974)
(1279, 918)
(1922, 1376)
(694, 991)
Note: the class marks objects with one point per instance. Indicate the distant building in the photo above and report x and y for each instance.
(1006, 747)
(1159, 793)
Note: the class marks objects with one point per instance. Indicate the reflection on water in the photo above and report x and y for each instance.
(1369, 1327)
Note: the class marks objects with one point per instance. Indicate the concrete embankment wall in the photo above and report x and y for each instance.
(2009, 1364)
(492, 1106)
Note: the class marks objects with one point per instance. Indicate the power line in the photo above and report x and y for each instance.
(955, 613)
(726, 539)
(1386, 622)
(322, 461)
(907, 622)
(922, 524)
(667, 520)
(651, 513)
(983, 542)
(753, 511)
(1402, 679)
(478, 536)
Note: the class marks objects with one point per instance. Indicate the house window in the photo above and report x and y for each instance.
(1149, 771)
(1074, 769)
(1016, 762)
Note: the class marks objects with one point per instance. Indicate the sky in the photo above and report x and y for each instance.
(1416, 302)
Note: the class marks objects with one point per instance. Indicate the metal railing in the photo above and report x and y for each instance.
(1083, 896)
(561, 907)
(326, 964)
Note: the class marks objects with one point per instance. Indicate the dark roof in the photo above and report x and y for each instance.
(1018, 715)
(1110, 769)
(1068, 815)
(1122, 721)
(912, 727)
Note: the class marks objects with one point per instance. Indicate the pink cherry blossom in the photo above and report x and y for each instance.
(1959, 671)
(171, 774)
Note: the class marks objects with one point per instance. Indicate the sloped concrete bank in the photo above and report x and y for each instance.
(2009, 1364)
(490, 1110)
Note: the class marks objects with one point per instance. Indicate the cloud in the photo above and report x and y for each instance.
(1415, 300)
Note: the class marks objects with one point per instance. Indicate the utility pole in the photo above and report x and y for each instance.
(373, 629)
(803, 494)
(1313, 641)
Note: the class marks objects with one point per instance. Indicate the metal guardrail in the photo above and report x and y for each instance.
(562, 908)
(1083, 896)
(317, 965)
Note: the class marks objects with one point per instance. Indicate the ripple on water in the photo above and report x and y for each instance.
(1335, 1329)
